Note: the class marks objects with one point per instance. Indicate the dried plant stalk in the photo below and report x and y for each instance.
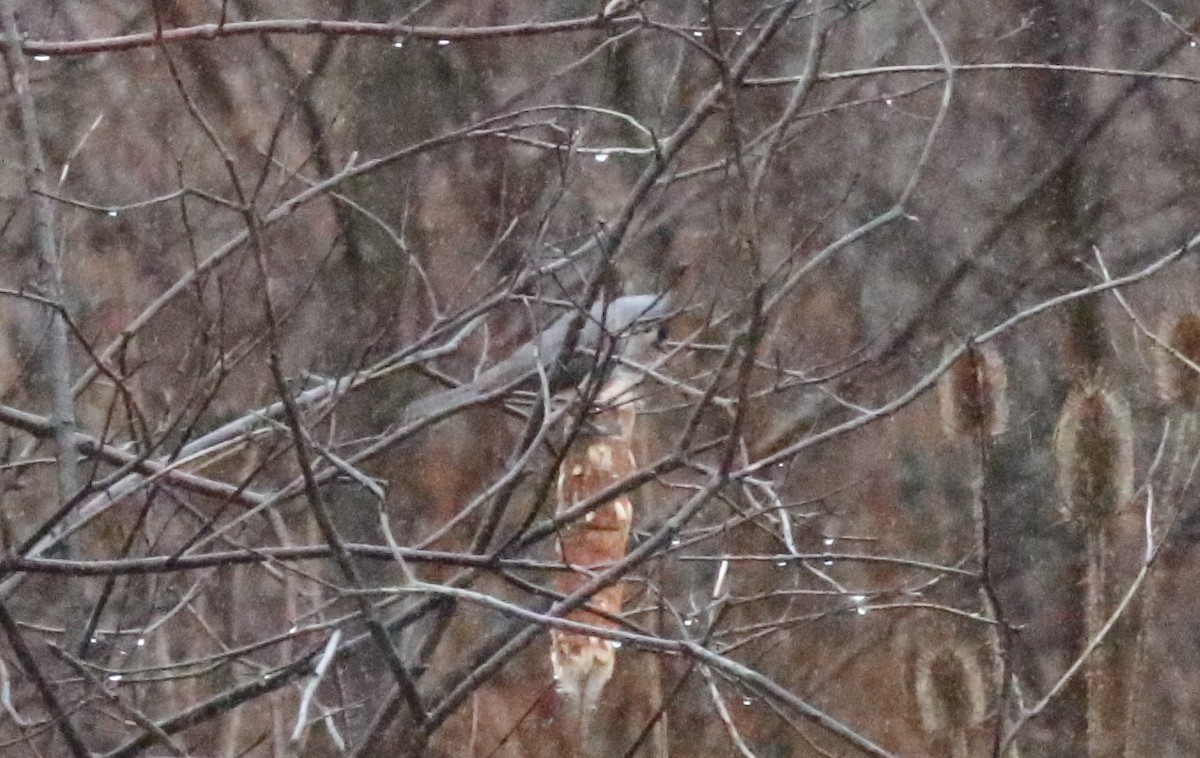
(973, 394)
(973, 399)
(1178, 382)
(1105, 691)
(1094, 452)
(583, 664)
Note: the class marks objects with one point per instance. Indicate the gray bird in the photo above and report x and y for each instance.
(631, 325)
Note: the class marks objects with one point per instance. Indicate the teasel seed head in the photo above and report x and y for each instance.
(973, 394)
(949, 688)
(1178, 382)
(1093, 448)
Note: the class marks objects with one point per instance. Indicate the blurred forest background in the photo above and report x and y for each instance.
(914, 475)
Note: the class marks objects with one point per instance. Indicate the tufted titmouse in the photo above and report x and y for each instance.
(631, 325)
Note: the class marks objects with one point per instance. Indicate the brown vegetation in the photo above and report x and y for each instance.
(912, 471)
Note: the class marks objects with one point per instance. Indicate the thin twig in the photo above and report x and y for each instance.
(25, 657)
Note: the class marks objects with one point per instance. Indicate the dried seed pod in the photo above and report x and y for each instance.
(1177, 381)
(949, 688)
(583, 664)
(1094, 452)
(973, 394)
